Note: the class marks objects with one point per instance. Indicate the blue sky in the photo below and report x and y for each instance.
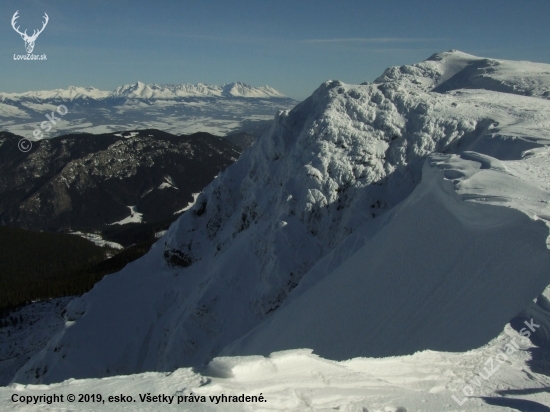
(290, 45)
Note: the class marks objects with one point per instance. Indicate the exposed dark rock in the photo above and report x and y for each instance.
(86, 182)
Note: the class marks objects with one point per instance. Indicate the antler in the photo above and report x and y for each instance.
(13, 21)
(35, 34)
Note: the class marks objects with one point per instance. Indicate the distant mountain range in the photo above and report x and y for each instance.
(178, 109)
(149, 91)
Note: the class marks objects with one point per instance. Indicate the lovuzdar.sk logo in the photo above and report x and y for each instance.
(29, 40)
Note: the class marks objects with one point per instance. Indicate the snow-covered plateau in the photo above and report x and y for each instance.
(382, 247)
(177, 109)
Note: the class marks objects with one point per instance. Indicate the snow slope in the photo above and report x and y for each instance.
(39, 321)
(444, 72)
(481, 265)
(327, 204)
(298, 380)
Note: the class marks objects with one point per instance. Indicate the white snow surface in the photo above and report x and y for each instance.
(98, 240)
(168, 183)
(298, 380)
(372, 220)
(134, 217)
(492, 262)
(189, 205)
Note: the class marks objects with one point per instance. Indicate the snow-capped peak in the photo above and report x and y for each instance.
(140, 90)
(69, 94)
(453, 70)
(239, 89)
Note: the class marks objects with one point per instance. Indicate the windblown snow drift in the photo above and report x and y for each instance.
(322, 236)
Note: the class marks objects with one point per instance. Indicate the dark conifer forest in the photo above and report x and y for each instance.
(38, 265)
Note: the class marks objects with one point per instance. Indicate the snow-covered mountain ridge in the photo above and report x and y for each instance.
(141, 90)
(177, 109)
(309, 208)
(444, 72)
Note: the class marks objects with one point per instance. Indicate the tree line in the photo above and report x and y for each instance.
(37, 265)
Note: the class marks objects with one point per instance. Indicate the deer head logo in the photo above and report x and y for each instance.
(29, 40)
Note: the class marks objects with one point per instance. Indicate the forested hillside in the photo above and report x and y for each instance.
(37, 265)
